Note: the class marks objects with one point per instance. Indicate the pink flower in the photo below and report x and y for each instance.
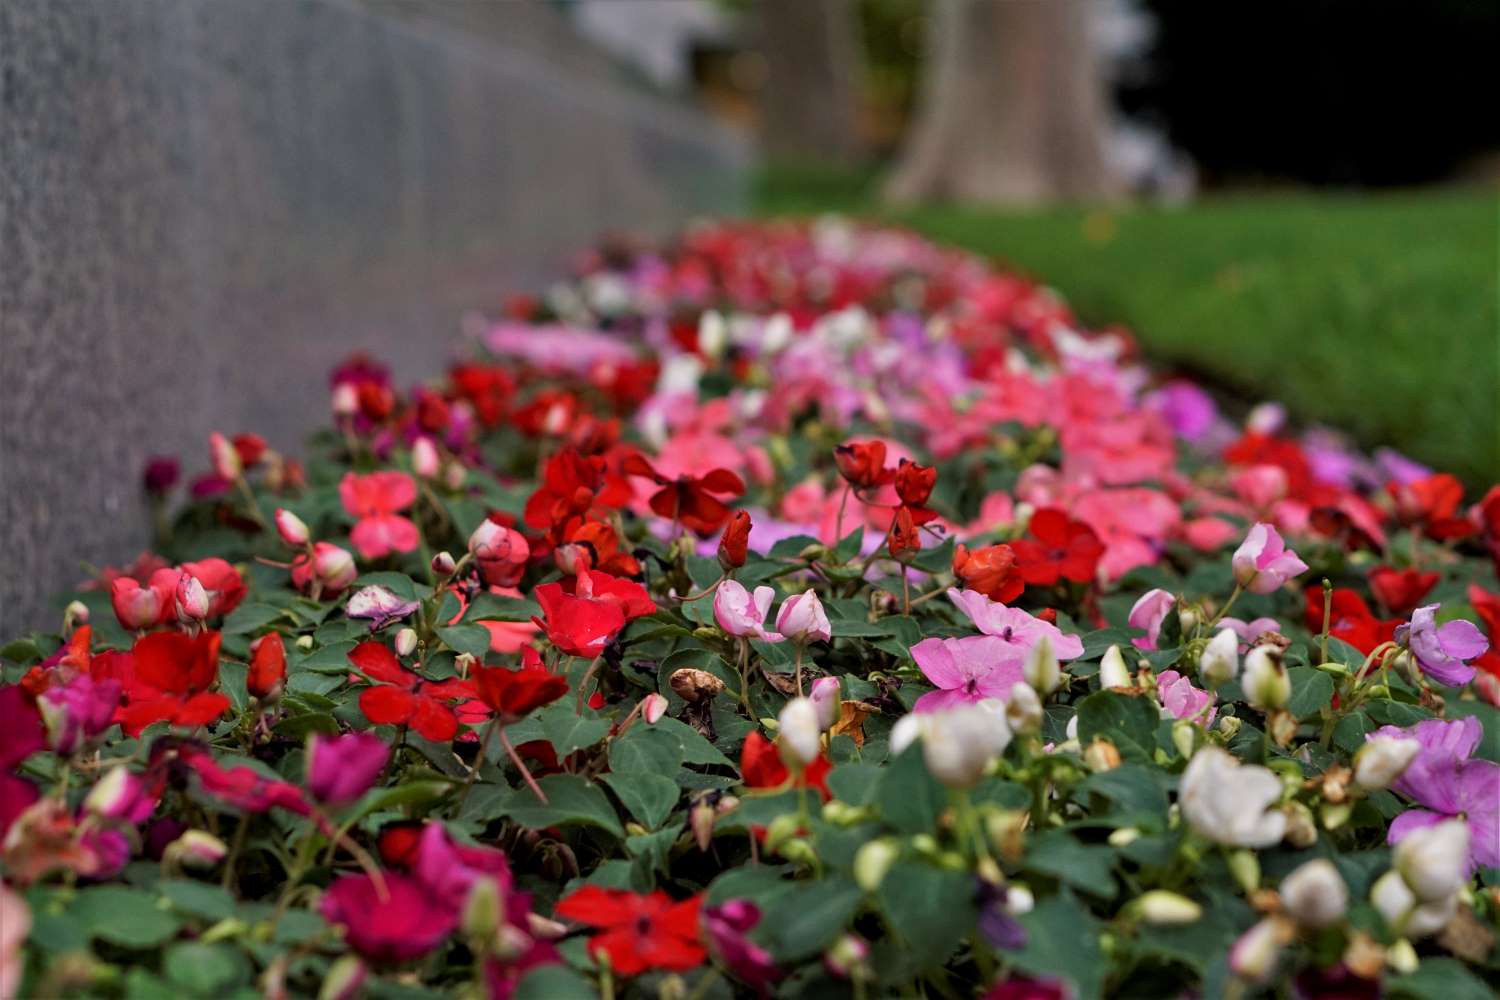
(15, 925)
(1148, 613)
(1249, 631)
(967, 670)
(1442, 649)
(78, 711)
(726, 928)
(1260, 486)
(342, 768)
(739, 613)
(406, 923)
(1182, 700)
(1263, 563)
(1015, 627)
(139, 607)
(500, 552)
(802, 619)
(1208, 534)
(1449, 782)
(375, 498)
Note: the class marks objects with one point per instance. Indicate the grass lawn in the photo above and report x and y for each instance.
(1375, 314)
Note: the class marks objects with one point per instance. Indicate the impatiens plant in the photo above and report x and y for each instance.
(802, 610)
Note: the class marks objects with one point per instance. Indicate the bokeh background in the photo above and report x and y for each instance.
(205, 204)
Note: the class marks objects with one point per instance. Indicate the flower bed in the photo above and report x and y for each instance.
(802, 610)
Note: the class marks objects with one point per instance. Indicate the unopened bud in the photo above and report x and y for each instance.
(653, 707)
(406, 642)
(196, 849)
(1185, 737)
(701, 820)
(1244, 866)
(1041, 669)
(1254, 955)
(76, 613)
(192, 599)
(425, 460)
(1315, 895)
(483, 910)
(1101, 755)
(226, 458)
(873, 861)
(1382, 760)
(1023, 712)
(1266, 683)
(1220, 661)
(847, 958)
(292, 529)
(1113, 672)
(443, 564)
(1167, 909)
(344, 979)
(825, 698)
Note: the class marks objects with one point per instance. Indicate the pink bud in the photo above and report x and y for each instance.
(291, 528)
(226, 459)
(335, 566)
(825, 698)
(425, 460)
(196, 849)
(192, 599)
(345, 400)
(406, 642)
(443, 564)
(118, 795)
(135, 606)
(501, 553)
(653, 707)
(803, 620)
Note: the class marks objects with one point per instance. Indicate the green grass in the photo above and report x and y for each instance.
(1374, 314)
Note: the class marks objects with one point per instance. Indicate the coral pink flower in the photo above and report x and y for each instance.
(375, 499)
(1014, 626)
(1263, 563)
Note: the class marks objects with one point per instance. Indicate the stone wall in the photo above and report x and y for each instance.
(205, 203)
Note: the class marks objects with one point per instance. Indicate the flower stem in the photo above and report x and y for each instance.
(583, 684)
(515, 759)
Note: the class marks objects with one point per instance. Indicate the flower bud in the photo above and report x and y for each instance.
(334, 566)
(803, 620)
(873, 861)
(1265, 681)
(425, 460)
(443, 564)
(116, 795)
(1255, 954)
(1023, 712)
(345, 977)
(136, 607)
(1229, 725)
(191, 599)
(1404, 913)
(1434, 860)
(1185, 737)
(701, 821)
(484, 909)
(1245, 867)
(1382, 760)
(1220, 661)
(291, 528)
(196, 849)
(825, 698)
(1402, 958)
(1161, 908)
(406, 641)
(713, 334)
(1301, 829)
(959, 743)
(1315, 894)
(267, 671)
(345, 400)
(454, 474)
(226, 458)
(1041, 669)
(1019, 900)
(653, 707)
(305, 643)
(1113, 672)
(800, 739)
(1101, 755)
(847, 958)
(76, 613)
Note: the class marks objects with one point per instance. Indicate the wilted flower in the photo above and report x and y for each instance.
(380, 605)
(1229, 802)
(1263, 563)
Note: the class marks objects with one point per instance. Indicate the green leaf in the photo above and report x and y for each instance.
(649, 796)
(198, 899)
(1135, 790)
(1439, 979)
(1312, 691)
(399, 584)
(1089, 868)
(808, 919)
(571, 800)
(248, 618)
(1129, 723)
(1097, 643)
(20, 651)
(931, 909)
(568, 731)
(122, 916)
(205, 969)
(856, 784)
(493, 607)
(909, 798)
(329, 658)
(1062, 941)
(554, 982)
(471, 639)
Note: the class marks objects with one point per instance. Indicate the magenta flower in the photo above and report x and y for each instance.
(1451, 784)
(1014, 626)
(967, 670)
(342, 768)
(726, 928)
(1182, 700)
(1148, 613)
(1442, 649)
(740, 613)
(407, 923)
(78, 711)
(1263, 563)
(449, 870)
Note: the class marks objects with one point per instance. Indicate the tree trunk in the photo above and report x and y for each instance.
(810, 102)
(1013, 108)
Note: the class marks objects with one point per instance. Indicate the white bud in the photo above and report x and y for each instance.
(1113, 673)
(1254, 955)
(1023, 712)
(406, 642)
(1315, 894)
(1167, 909)
(800, 739)
(713, 334)
(1220, 660)
(1382, 760)
(1019, 900)
(1434, 860)
(653, 707)
(1404, 914)
(873, 861)
(1265, 681)
(1042, 671)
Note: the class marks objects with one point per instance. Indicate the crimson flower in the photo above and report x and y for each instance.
(688, 499)
(1401, 590)
(488, 388)
(585, 612)
(1058, 548)
(862, 464)
(166, 679)
(404, 698)
(992, 571)
(1432, 502)
(734, 547)
(638, 932)
(570, 483)
(514, 694)
(239, 786)
(406, 922)
(762, 767)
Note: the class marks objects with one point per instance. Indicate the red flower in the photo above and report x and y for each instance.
(862, 464)
(992, 571)
(250, 447)
(570, 483)
(688, 499)
(914, 482)
(225, 586)
(1400, 590)
(586, 611)
(405, 698)
(1487, 607)
(762, 767)
(638, 932)
(242, 787)
(166, 679)
(1058, 548)
(1351, 619)
(1432, 502)
(267, 666)
(904, 540)
(514, 694)
(487, 388)
(734, 547)
(404, 922)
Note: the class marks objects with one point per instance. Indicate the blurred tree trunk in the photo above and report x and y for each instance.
(810, 102)
(1012, 109)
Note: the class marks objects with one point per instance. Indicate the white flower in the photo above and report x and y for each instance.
(1434, 860)
(800, 739)
(1393, 898)
(957, 743)
(1113, 672)
(1229, 802)
(1315, 894)
(1220, 661)
(1382, 760)
(1023, 712)
(1265, 681)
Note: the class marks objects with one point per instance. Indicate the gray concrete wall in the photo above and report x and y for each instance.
(205, 203)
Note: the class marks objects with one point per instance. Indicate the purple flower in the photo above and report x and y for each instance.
(380, 605)
(1189, 410)
(1442, 649)
(967, 670)
(1014, 626)
(342, 768)
(997, 923)
(1450, 784)
(1263, 563)
(1148, 613)
(1182, 700)
(726, 928)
